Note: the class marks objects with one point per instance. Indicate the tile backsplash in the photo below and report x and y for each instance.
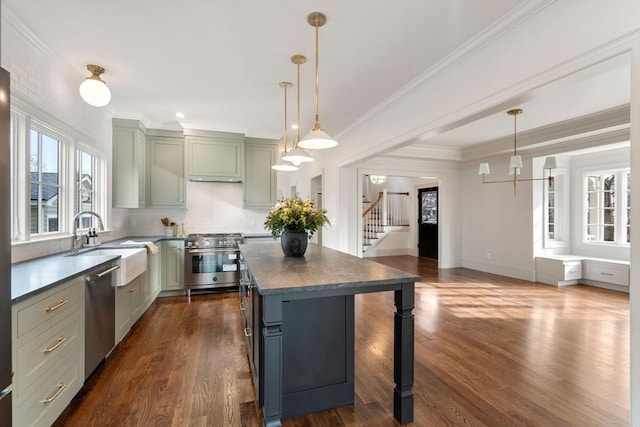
(212, 207)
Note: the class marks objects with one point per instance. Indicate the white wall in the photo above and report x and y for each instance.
(46, 88)
(497, 224)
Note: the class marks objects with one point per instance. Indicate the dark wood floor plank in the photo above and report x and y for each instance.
(489, 351)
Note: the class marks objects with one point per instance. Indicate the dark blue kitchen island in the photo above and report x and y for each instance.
(299, 323)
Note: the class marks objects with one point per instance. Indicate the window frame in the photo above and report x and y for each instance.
(21, 125)
(621, 210)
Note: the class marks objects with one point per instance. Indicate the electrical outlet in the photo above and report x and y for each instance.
(489, 255)
(132, 223)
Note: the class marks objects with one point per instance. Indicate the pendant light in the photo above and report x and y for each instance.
(93, 89)
(515, 162)
(317, 139)
(297, 154)
(281, 164)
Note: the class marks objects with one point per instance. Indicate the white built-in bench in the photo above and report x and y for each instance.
(562, 270)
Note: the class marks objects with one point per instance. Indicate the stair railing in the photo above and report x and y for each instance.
(391, 209)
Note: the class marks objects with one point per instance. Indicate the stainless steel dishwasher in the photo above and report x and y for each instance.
(100, 317)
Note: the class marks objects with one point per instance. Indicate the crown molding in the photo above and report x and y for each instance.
(570, 130)
(11, 20)
(511, 20)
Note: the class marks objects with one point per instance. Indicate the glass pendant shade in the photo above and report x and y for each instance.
(317, 139)
(297, 155)
(377, 179)
(93, 89)
(285, 166)
(484, 169)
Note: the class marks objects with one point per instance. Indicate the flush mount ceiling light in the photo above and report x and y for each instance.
(282, 164)
(377, 179)
(93, 89)
(515, 162)
(297, 154)
(317, 139)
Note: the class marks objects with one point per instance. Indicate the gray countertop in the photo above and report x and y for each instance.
(320, 269)
(31, 277)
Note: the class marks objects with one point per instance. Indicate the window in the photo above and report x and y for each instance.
(607, 207)
(85, 198)
(44, 168)
(53, 176)
(550, 209)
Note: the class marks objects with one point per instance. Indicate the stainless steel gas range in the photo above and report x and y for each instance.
(212, 261)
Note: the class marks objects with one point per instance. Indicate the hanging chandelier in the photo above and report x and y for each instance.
(317, 139)
(281, 164)
(377, 179)
(515, 162)
(297, 154)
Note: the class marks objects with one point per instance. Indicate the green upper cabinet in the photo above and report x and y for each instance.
(166, 169)
(260, 180)
(129, 164)
(214, 156)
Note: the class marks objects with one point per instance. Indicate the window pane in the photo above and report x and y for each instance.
(592, 232)
(609, 233)
(49, 155)
(609, 216)
(45, 181)
(592, 183)
(592, 216)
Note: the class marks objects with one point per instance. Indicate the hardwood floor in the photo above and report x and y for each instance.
(490, 351)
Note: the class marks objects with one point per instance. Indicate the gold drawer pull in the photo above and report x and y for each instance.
(56, 394)
(56, 345)
(606, 274)
(57, 306)
(132, 289)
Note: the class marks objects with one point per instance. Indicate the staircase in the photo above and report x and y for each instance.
(389, 213)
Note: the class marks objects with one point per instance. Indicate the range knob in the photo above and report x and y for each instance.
(207, 243)
(196, 244)
(189, 244)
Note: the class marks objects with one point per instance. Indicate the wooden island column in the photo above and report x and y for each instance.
(303, 329)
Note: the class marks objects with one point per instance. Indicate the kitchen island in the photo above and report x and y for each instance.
(299, 315)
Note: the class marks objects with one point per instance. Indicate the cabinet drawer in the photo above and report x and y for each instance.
(572, 270)
(47, 401)
(609, 273)
(49, 307)
(37, 356)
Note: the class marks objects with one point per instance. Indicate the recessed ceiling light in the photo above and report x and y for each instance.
(180, 115)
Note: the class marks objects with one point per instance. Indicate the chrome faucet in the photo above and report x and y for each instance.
(75, 240)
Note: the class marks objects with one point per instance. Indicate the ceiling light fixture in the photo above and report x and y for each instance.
(93, 89)
(377, 179)
(297, 154)
(317, 139)
(282, 164)
(515, 162)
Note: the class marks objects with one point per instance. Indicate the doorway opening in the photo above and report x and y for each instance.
(428, 222)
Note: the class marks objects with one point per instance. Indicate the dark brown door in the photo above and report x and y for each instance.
(428, 222)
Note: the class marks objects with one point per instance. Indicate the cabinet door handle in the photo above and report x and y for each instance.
(56, 345)
(247, 332)
(242, 307)
(606, 274)
(132, 289)
(57, 306)
(56, 394)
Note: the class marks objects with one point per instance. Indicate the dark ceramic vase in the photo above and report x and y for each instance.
(294, 243)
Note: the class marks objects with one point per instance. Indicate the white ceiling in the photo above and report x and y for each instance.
(219, 62)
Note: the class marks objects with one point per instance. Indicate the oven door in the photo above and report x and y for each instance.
(211, 268)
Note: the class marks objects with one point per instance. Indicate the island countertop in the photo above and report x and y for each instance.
(320, 269)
